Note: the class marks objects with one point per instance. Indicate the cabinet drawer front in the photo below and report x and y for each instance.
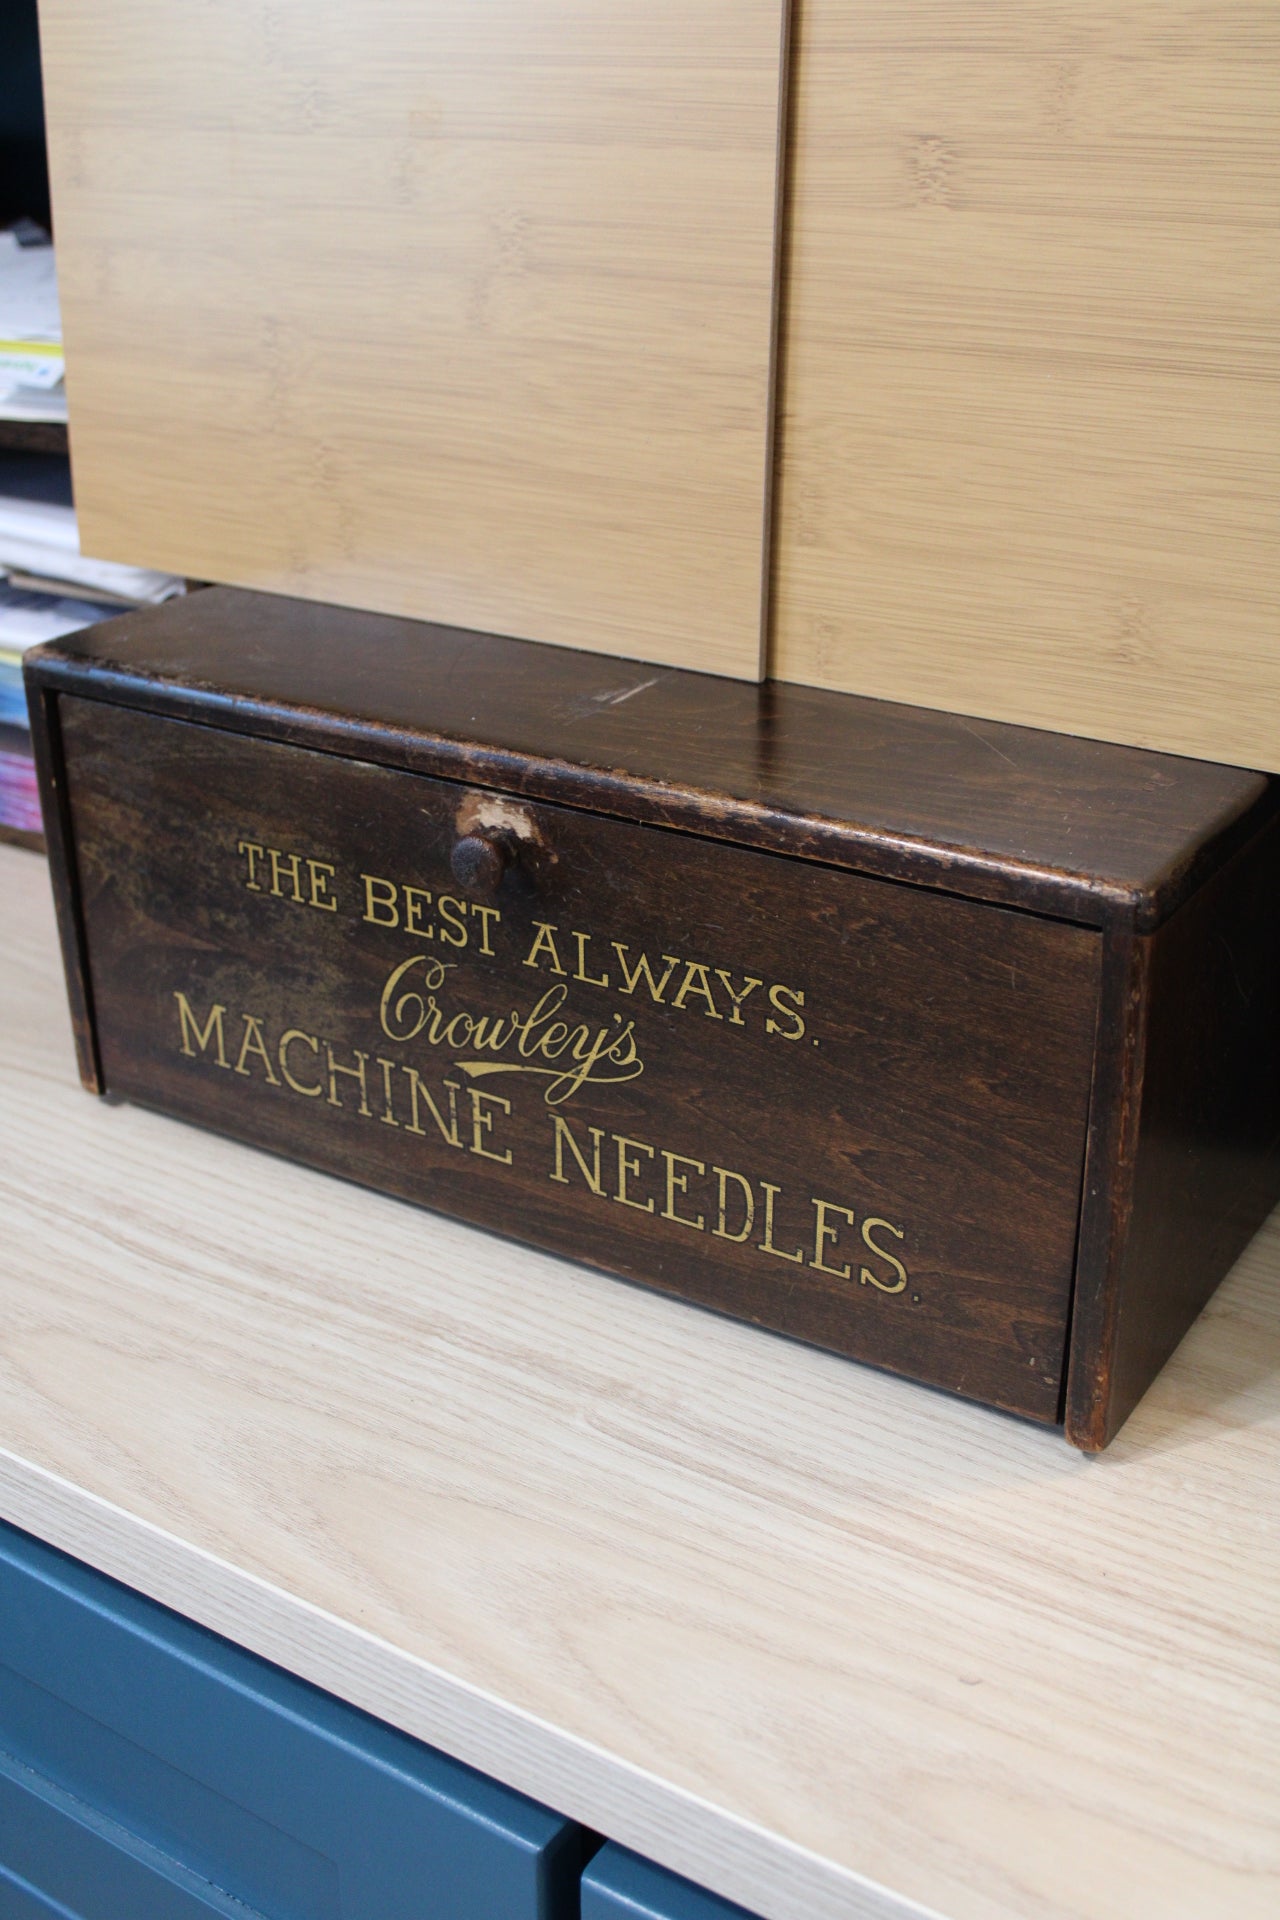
(141, 1754)
(58, 1858)
(621, 1886)
(848, 1110)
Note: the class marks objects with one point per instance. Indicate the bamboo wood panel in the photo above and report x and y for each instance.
(460, 309)
(836, 1646)
(1030, 446)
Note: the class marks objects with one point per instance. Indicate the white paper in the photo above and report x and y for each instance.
(40, 538)
(28, 293)
(47, 521)
(30, 319)
(77, 570)
(29, 403)
(28, 618)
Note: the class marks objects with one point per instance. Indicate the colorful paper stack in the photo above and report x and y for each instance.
(47, 586)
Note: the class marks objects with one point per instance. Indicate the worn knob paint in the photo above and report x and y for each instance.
(479, 861)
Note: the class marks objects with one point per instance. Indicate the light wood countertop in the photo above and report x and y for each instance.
(828, 1643)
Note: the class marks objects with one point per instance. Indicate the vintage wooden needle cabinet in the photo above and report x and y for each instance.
(948, 1045)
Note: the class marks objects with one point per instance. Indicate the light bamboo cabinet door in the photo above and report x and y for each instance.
(1030, 440)
(460, 309)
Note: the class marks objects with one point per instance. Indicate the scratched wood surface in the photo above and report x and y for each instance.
(851, 1112)
(839, 1648)
(1075, 828)
(1030, 439)
(449, 308)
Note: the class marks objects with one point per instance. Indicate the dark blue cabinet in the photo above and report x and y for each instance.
(621, 1886)
(150, 1770)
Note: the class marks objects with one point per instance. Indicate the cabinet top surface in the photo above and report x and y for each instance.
(1080, 828)
(838, 1647)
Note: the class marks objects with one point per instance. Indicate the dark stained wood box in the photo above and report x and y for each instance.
(951, 1046)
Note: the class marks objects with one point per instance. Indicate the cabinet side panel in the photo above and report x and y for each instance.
(1030, 423)
(451, 310)
(1196, 1162)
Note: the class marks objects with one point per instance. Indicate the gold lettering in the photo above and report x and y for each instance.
(696, 981)
(388, 1114)
(388, 891)
(544, 939)
(564, 1137)
(530, 1041)
(604, 1055)
(823, 1233)
(679, 1182)
(282, 1055)
(628, 1164)
(492, 1032)
(486, 915)
(482, 1123)
(418, 1086)
(253, 852)
(554, 1038)
(735, 1015)
(866, 1276)
(289, 866)
(253, 1042)
(415, 898)
(410, 1011)
(452, 912)
(766, 1245)
(292, 862)
(720, 1230)
(643, 971)
(457, 1030)
(320, 894)
(190, 1029)
(354, 1073)
(580, 972)
(776, 997)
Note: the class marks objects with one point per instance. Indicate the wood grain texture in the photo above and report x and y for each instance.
(835, 1648)
(913, 1064)
(15, 837)
(151, 1771)
(1030, 438)
(46, 744)
(796, 1058)
(459, 308)
(1071, 827)
(1184, 1156)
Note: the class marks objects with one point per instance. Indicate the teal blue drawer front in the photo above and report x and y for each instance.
(621, 1886)
(152, 1771)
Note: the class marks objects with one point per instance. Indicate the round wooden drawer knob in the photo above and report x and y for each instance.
(479, 861)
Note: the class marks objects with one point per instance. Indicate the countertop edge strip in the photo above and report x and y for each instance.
(678, 1831)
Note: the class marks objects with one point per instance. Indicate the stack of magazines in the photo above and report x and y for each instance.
(32, 385)
(47, 588)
